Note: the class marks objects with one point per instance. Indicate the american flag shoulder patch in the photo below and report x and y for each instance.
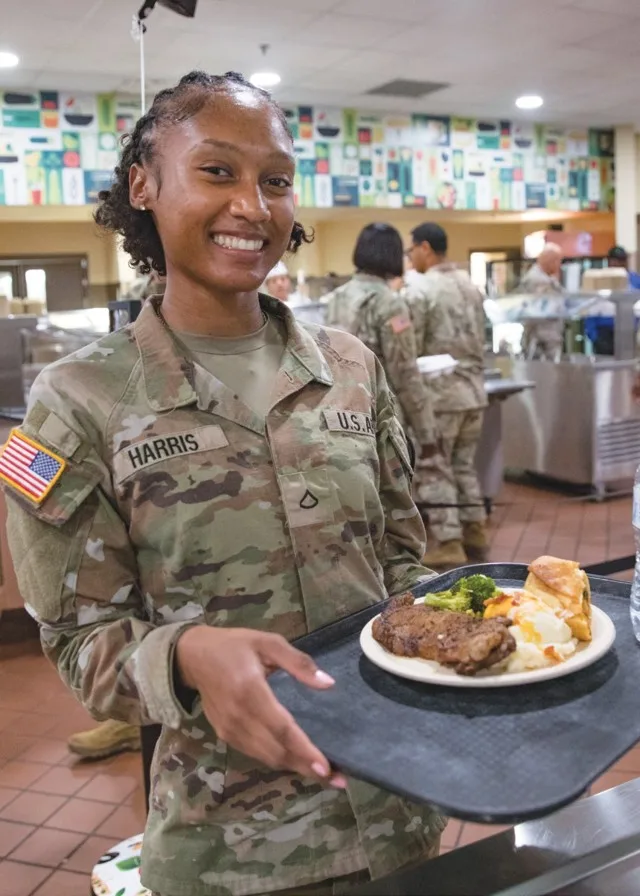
(399, 323)
(29, 467)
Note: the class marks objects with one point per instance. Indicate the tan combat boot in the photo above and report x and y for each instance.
(444, 555)
(474, 538)
(107, 739)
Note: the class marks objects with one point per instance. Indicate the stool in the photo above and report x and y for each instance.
(118, 871)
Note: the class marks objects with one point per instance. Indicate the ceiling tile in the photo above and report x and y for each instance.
(616, 41)
(272, 21)
(574, 52)
(316, 6)
(399, 10)
(352, 32)
(20, 78)
(71, 81)
(616, 7)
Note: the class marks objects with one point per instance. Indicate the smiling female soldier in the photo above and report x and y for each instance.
(214, 481)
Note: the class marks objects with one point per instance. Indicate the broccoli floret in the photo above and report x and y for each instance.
(447, 600)
(478, 589)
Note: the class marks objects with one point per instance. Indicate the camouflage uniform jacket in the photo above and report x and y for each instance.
(370, 310)
(448, 316)
(536, 283)
(180, 506)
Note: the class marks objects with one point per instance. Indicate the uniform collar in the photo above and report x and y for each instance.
(169, 376)
(445, 267)
(369, 278)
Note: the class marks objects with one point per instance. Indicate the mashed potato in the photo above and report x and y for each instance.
(542, 637)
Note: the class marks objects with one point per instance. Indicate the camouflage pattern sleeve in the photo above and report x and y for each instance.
(421, 313)
(404, 543)
(77, 573)
(398, 344)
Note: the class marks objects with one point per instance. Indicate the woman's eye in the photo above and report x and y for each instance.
(280, 182)
(217, 170)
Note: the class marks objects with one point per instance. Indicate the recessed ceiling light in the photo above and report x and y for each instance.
(265, 79)
(529, 102)
(8, 60)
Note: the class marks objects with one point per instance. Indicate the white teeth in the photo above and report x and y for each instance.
(234, 242)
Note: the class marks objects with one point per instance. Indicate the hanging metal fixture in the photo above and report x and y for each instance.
(185, 8)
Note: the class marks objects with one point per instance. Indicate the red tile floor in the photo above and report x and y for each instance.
(58, 814)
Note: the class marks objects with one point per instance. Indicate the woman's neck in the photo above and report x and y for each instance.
(191, 308)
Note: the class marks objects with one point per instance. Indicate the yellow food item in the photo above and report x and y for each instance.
(564, 587)
(542, 637)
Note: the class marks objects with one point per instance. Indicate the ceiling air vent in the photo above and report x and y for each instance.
(403, 87)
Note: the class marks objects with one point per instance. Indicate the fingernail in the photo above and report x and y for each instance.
(339, 782)
(320, 770)
(322, 678)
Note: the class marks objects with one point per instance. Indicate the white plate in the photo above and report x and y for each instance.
(430, 672)
(436, 365)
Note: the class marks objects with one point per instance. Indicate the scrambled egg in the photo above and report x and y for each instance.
(542, 637)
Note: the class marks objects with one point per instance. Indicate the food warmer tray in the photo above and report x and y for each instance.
(499, 755)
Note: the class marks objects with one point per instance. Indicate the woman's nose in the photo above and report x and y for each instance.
(250, 203)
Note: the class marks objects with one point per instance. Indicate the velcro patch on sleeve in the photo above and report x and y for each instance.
(353, 422)
(399, 323)
(29, 467)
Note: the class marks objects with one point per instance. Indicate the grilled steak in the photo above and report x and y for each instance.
(463, 642)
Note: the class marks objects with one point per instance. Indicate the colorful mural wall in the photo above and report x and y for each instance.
(420, 161)
(61, 148)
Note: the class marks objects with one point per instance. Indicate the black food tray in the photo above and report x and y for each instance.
(497, 755)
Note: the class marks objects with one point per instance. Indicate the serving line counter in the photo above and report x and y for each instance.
(591, 848)
(580, 424)
(490, 462)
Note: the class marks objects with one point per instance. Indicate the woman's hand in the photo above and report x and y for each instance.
(229, 669)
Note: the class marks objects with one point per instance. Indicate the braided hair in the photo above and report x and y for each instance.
(176, 104)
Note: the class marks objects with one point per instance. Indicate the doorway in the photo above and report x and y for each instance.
(495, 271)
(60, 282)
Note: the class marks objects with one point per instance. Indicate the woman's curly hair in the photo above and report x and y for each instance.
(115, 212)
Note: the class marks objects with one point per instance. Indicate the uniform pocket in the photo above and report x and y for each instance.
(401, 446)
(309, 498)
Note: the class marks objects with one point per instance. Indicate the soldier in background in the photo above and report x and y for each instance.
(544, 338)
(447, 310)
(543, 277)
(221, 481)
(368, 308)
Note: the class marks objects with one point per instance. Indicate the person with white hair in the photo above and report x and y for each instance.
(543, 337)
(543, 278)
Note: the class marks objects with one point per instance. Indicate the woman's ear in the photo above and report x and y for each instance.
(138, 187)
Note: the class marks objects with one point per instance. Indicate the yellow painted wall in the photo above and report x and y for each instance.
(62, 238)
(337, 231)
(71, 231)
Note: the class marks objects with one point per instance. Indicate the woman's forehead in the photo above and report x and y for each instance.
(239, 117)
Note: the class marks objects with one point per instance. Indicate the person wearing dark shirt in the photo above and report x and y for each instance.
(618, 257)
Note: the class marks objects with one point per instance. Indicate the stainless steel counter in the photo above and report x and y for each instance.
(490, 453)
(580, 424)
(591, 848)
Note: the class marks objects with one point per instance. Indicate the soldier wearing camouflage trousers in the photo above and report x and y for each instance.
(448, 316)
(196, 490)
